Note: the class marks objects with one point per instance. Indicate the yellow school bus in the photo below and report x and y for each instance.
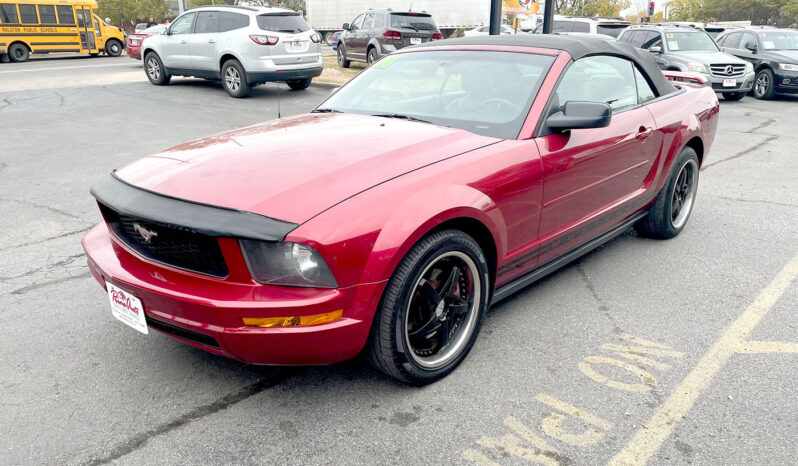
(44, 26)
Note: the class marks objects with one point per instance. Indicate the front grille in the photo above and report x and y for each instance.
(727, 71)
(173, 245)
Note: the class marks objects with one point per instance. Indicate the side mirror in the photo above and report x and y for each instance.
(346, 26)
(655, 49)
(750, 45)
(581, 115)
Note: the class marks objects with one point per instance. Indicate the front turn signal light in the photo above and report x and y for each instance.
(293, 321)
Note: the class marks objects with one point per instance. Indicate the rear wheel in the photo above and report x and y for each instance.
(668, 215)
(18, 53)
(299, 84)
(342, 61)
(156, 72)
(733, 95)
(764, 87)
(234, 79)
(432, 309)
(329, 38)
(372, 56)
(113, 48)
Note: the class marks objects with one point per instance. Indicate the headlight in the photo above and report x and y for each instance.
(697, 67)
(749, 68)
(288, 264)
(788, 67)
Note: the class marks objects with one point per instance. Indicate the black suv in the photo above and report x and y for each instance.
(375, 33)
(773, 52)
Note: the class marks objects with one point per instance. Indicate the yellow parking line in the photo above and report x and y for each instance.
(653, 433)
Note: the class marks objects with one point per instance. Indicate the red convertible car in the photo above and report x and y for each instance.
(440, 180)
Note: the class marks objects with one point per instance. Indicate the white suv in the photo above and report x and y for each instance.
(240, 45)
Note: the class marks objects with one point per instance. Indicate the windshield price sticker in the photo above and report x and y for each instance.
(673, 45)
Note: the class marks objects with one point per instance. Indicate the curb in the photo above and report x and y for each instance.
(325, 85)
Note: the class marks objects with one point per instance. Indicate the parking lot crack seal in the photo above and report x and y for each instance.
(40, 241)
(41, 206)
(36, 286)
(134, 443)
(741, 153)
(592, 289)
(758, 201)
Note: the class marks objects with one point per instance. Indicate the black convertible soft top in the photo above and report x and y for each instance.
(577, 47)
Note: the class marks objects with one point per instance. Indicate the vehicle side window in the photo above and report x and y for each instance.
(8, 13)
(624, 37)
(368, 23)
(578, 26)
(47, 14)
(379, 21)
(599, 78)
(644, 91)
(229, 21)
(182, 25)
(357, 23)
(747, 38)
(207, 22)
(561, 26)
(720, 41)
(733, 40)
(638, 39)
(27, 14)
(65, 14)
(652, 38)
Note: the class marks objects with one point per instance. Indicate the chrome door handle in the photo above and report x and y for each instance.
(211, 41)
(184, 41)
(644, 133)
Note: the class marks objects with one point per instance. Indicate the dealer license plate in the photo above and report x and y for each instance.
(127, 308)
(297, 45)
(415, 40)
(729, 83)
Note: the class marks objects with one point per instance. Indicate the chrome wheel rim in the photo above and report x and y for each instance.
(153, 69)
(232, 79)
(762, 84)
(370, 58)
(340, 57)
(443, 310)
(684, 192)
(114, 48)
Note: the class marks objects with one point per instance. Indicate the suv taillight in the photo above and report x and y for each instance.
(437, 36)
(264, 40)
(392, 35)
(315, 37)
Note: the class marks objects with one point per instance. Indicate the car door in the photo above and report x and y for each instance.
(362, 36)
(748, 49)
(731, 42)
(589, 171)
(175, 52)
(351, 36)
(202, 43)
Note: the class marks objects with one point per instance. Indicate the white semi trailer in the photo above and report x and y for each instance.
(327, 16)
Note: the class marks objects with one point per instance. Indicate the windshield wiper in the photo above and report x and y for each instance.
(410, 26)
(326, 110)
(402, 117)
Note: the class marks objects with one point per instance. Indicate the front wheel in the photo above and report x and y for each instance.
(668, 215)
(113, 48)
(733, 96)
(234, 79)
(764, 87)
(299, 84)
(342, 61)
(18, 53)
(156, 72)
(432, 309)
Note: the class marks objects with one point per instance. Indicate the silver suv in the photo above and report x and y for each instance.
(241, 46)
(691, 49)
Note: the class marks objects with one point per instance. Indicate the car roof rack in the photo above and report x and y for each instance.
(238, 7)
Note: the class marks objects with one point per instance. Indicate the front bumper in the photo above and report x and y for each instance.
(207, 312)
(133, 52)
(742, 84)
(786, 82)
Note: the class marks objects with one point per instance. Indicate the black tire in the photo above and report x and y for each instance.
(156, 72)
(667, 216)
(234, 79)
(390, 349)
(372, 56)
(342, 61)
(764, 86)
(733, 96)
(329, 38)
(299, 84)
(113, 48)
(18, 53)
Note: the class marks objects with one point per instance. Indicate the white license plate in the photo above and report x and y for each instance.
(415, 40)
(127, 308)
(297, 45)
(729, 83)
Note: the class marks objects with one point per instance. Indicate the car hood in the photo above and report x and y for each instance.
(294, 168)
(709, 57)
(783, 56)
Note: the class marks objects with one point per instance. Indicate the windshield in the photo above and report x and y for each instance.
(154, 30)
(613, 30)
(283, 22)
(487, 93)
(684, 41)
(411, 21)
(779, 40)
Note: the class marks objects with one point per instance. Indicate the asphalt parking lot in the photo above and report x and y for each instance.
(676, 352)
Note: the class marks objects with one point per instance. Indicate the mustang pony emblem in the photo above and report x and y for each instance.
(146, 234)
